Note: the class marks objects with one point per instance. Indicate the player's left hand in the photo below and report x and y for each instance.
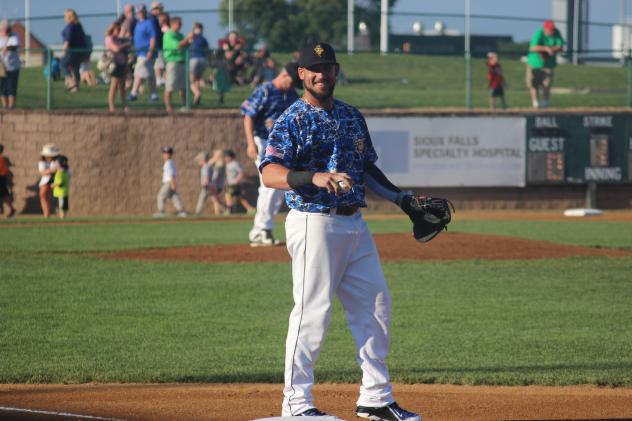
(429, 215)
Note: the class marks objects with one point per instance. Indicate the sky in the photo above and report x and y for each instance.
(599, 37)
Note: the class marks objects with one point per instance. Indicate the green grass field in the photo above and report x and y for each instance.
(394, 81)
(67, 315)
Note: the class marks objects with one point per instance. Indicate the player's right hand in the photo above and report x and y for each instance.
(329, 181)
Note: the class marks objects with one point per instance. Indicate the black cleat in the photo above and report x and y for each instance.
(312, 412)
(391, 412)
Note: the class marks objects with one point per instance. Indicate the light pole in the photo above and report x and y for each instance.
(231, 16)
(575, 31)
(468, 57)
(625, 30)
(27, 32)
(350, 26)
(384, 28)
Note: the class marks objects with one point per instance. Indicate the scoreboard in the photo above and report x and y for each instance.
(570, 148)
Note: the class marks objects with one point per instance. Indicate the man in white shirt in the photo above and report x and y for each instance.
(168, 189)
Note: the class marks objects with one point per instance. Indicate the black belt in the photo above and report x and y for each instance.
(340, 210)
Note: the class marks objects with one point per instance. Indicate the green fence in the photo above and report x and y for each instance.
(441, 78)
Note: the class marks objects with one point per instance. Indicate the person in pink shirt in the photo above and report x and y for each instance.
(117, 47)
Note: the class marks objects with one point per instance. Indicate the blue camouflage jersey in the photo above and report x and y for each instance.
(265, 105)
(308, 138)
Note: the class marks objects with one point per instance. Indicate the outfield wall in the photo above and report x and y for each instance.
(116, 161)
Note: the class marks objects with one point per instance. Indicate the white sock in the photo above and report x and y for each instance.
(535, 103)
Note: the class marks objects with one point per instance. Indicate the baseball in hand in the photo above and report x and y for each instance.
(344, 187)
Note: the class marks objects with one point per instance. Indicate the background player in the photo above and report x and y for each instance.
(260, 111)
(320, 149)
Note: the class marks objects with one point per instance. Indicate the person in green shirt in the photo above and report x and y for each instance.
(61, 185)
(541, 61)
(173, 45)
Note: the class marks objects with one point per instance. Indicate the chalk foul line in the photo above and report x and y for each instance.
(58, 414)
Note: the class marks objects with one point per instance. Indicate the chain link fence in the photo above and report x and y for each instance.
(438, 74)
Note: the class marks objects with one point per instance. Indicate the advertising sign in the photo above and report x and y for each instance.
(451, 151)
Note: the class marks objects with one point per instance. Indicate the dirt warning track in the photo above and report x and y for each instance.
(237, 402)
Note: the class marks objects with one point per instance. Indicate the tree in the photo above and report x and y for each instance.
(287, 25)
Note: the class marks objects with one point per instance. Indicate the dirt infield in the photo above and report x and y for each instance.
(392, 247)
(489, 214)
(228, 402)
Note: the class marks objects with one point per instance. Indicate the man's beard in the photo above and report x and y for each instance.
(321, 96)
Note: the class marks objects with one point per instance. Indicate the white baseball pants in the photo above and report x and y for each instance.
(269, 202)
(335, 255)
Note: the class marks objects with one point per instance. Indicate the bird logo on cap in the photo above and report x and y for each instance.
(319, 50)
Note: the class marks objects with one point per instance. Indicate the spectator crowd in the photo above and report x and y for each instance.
(145, 49)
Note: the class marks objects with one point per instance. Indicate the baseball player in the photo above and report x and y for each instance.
(320, 151)
(260, 111)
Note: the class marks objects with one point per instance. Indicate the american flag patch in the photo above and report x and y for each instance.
(272, 151)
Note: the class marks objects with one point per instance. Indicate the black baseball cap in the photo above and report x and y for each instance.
(317, 53)
(292, 69)
(62, 160)
(166, 149)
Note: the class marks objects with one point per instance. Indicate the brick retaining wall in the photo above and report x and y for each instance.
(116, 162)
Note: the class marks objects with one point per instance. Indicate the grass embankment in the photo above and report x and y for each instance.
(393, 81)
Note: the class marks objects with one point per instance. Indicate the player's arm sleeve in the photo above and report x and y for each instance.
(377, 181)
(374, 178)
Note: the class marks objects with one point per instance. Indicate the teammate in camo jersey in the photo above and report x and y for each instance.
(260, 111)
(321, 151)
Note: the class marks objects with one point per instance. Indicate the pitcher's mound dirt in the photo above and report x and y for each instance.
(447, 246)
(240, 402)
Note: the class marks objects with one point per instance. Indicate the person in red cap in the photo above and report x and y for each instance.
(541, 62)
(496, 81)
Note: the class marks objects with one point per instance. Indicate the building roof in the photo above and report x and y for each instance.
(19, 29)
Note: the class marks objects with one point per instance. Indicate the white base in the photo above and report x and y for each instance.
(583, 212)
(325, 418)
